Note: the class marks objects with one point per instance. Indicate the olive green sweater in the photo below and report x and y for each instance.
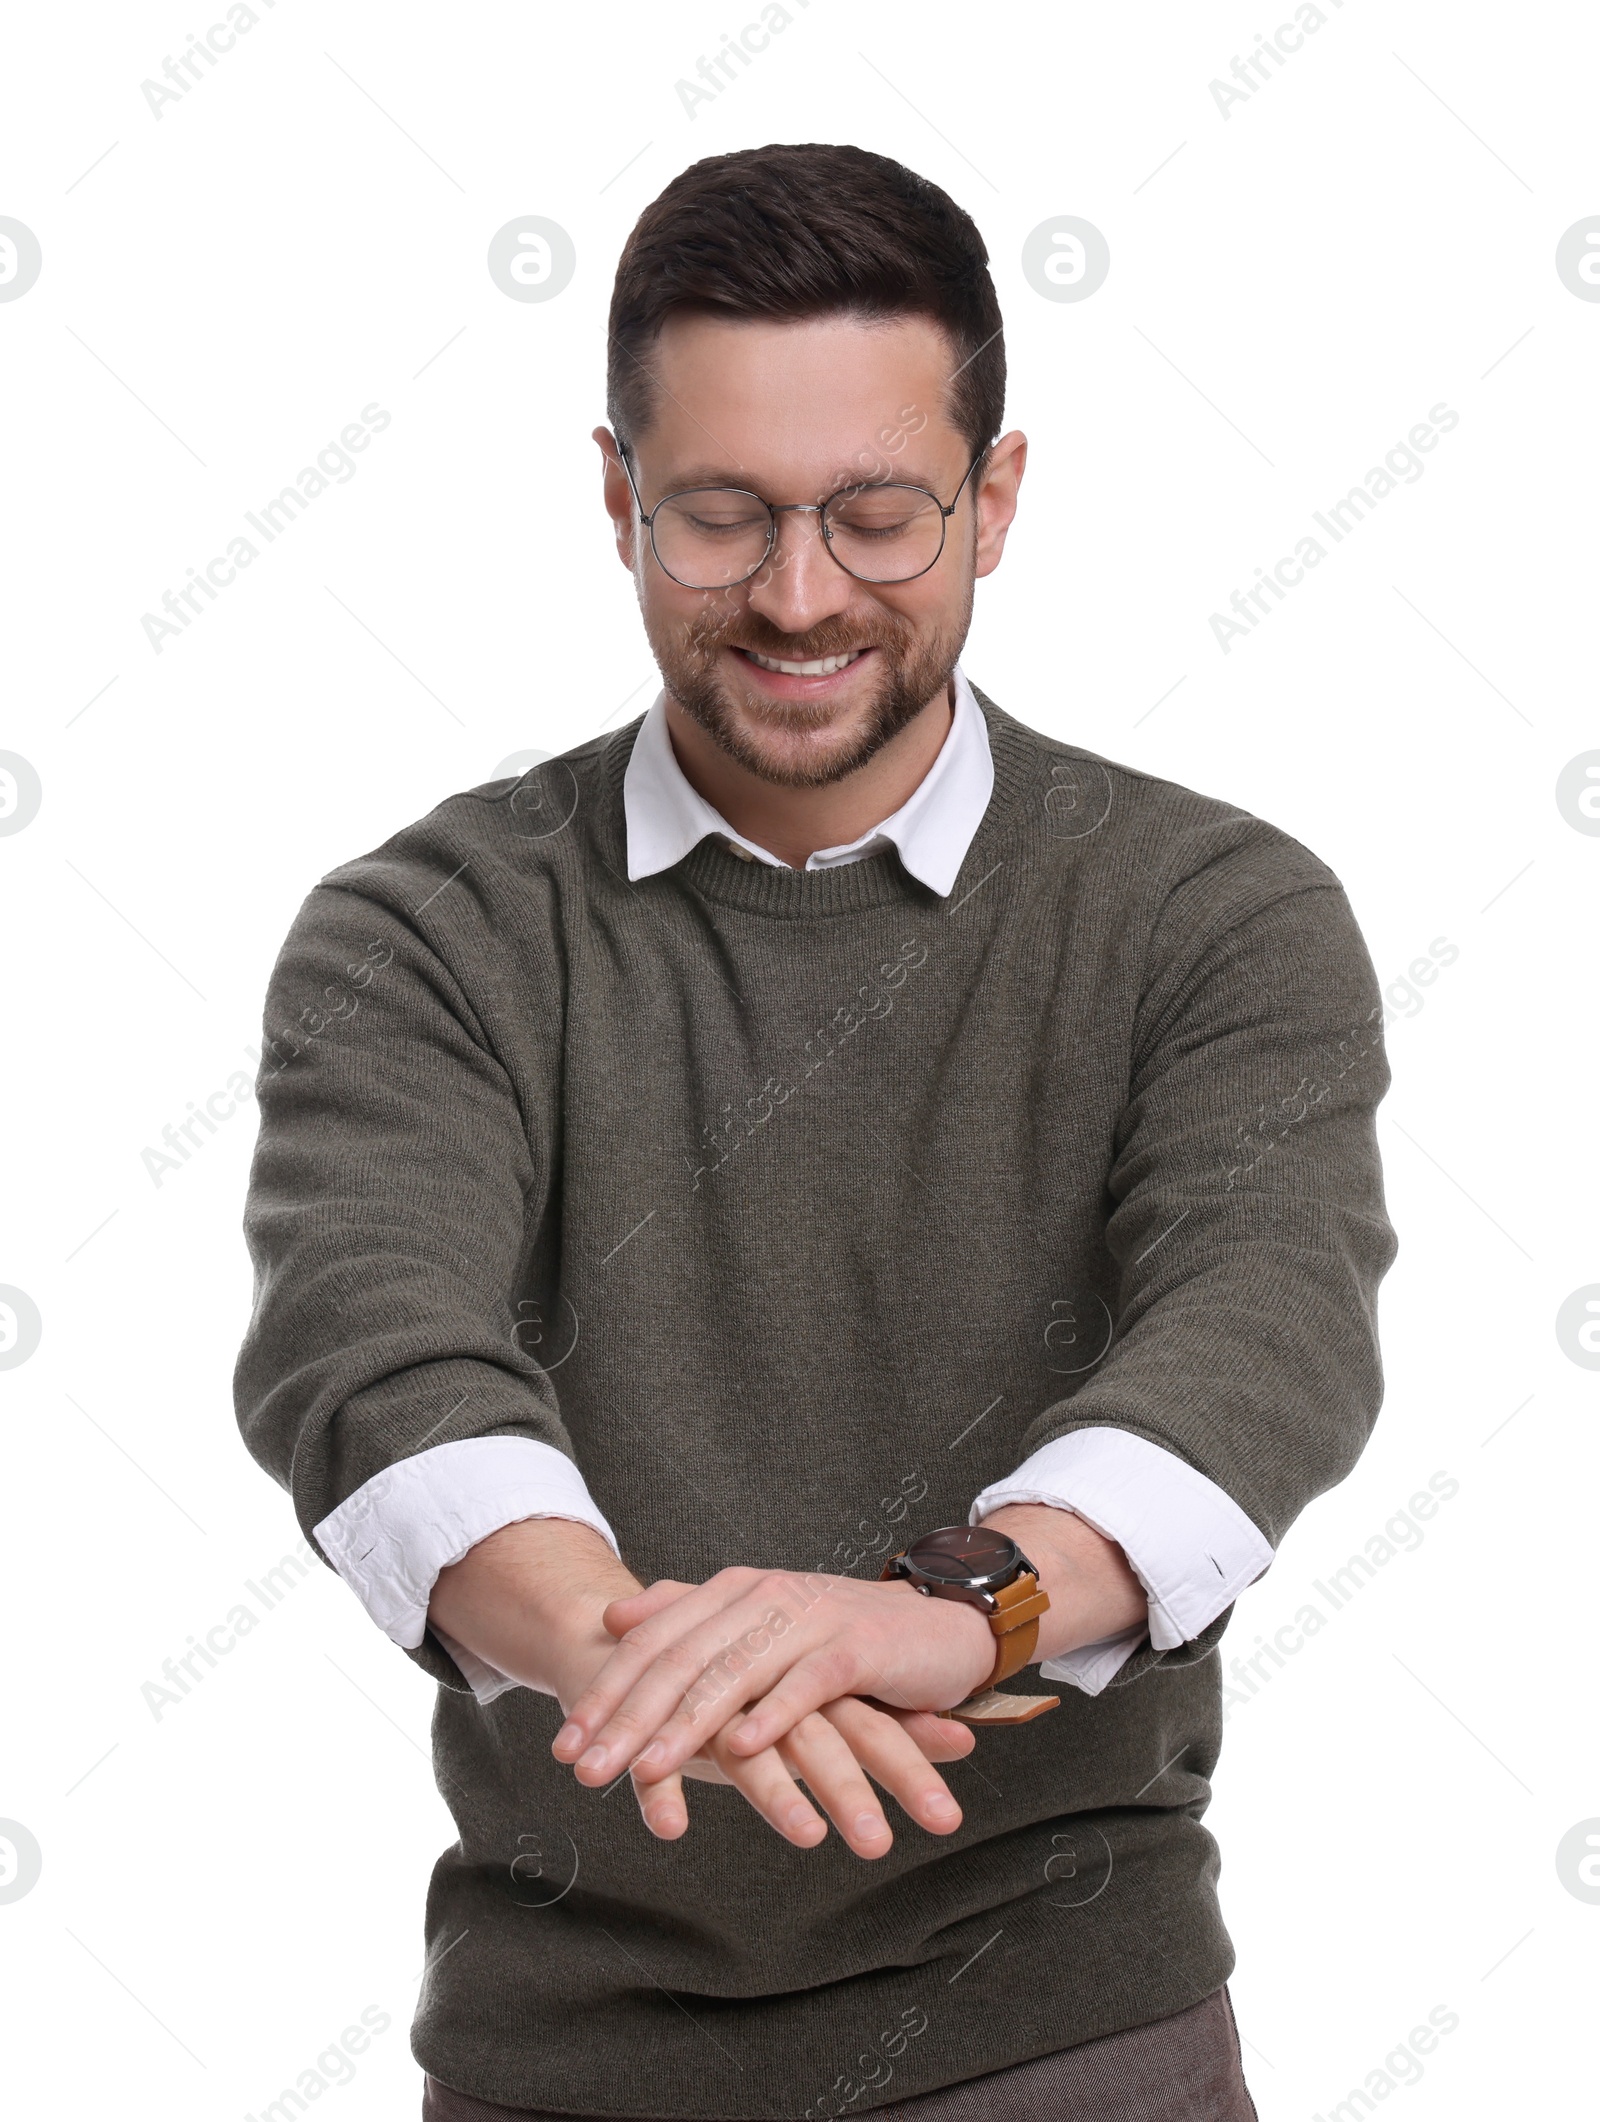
(799, 1168)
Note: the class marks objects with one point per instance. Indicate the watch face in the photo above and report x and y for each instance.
(963, 1554)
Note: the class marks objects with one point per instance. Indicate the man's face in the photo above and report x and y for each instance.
(793, 412)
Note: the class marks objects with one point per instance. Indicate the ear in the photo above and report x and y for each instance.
(618, 496)
(995, 503)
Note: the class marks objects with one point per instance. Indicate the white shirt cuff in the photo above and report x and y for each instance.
(1189, 1544)
(486, 1681)
(390, 1540)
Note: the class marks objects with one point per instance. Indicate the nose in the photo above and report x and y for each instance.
(801, 584)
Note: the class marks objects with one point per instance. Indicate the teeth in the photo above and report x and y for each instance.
(823, 667)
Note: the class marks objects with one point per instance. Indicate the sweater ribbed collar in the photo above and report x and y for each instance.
(876, 880)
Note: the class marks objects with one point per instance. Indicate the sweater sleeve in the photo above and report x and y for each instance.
(1247, 1231)
(394, 1196)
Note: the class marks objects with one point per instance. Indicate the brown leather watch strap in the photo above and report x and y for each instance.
(992, 1707)
(1015, 1623)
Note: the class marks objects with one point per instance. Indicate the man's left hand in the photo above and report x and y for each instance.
(693, 1656)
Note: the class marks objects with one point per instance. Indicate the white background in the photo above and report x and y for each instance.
(1371, 234)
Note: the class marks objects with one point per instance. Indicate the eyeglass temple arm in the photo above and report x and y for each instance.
(971, 468)
(621, 458)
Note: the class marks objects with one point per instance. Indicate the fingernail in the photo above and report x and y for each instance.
(799, 1816)
(569, 1734)
(870, 1824)
(942, 1805)
(655, 1751)
(594, 1758)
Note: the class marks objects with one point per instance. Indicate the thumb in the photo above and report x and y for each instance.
(622, 1614)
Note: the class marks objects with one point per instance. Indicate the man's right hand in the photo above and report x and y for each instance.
(834, 1751)
(528, 1599)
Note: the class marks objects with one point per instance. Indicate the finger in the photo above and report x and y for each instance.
(665, 1811)
(690, 1690)
(623, 1614)
(821, 1676)
(835, 1775)
(637, 1651)
(676, 1709)
(935, 1738)
(702, 1769)
(891, 1755)
(818, 1751)
(768, 1785)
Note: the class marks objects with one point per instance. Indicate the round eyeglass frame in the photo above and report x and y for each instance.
(818, 509)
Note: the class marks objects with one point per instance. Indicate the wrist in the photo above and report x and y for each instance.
(981, 1643)
(1093, 1591)
(578, 1644)
(528, 1599)
(967, 1647)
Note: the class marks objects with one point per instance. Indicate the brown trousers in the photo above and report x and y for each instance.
(1185, 2068)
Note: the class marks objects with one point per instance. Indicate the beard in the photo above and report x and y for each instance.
(758, 733)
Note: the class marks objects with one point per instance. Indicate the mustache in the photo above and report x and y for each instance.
(835, 638)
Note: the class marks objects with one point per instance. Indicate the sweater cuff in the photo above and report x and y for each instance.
(390, 1540)
(1189, 1544)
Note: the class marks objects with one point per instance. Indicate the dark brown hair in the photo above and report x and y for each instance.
(807, 230)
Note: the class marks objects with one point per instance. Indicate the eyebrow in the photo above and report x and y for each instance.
(719, 475)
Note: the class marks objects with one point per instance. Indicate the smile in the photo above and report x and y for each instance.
(820, 667)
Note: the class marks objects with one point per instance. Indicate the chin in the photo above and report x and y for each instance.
(801, 730)
(808, 765)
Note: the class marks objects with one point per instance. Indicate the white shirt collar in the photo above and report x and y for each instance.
(667, 816)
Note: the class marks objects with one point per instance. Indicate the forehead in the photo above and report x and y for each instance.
(796, 403)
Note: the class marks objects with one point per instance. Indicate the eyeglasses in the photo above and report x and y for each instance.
(715, 537)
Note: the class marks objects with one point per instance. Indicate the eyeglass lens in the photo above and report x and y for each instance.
(718, 536)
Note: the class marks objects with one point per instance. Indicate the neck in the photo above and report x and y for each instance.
(792, 823)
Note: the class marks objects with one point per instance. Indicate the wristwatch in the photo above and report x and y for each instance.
(984, 1569)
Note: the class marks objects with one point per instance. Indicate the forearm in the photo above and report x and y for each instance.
(528, 1599)
(1092, 1591)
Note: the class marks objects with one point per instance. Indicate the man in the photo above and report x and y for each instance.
(824, 1128)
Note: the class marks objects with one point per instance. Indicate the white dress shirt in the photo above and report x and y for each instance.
(1189, 1544)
